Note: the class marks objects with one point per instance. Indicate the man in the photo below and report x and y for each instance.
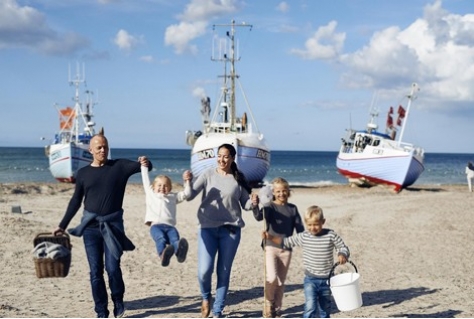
(470, 175)
(102, 186)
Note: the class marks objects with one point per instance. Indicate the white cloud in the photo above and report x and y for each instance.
(202, 10)
(382, 60)
(126, 41)
(179, 36)
(199, 92)
(194, 21)
(283, 7)
(436, 50)
(324, 44)
(26, 27)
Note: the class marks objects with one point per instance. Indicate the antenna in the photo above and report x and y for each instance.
(76, 81)
(227, 54)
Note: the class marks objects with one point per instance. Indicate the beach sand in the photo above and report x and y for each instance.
(413, 251)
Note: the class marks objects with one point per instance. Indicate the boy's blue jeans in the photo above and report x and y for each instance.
(224, 242)
(164, 235)
(317, 296)
(95, 251)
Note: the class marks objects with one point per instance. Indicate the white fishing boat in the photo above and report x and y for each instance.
(226, 126)
(369, 157)
(69, 150)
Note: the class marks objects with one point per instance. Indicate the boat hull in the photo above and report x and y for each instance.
(253, 155)
(374, 166)
(66, 159)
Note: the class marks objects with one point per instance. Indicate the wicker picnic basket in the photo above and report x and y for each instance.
(48, 267)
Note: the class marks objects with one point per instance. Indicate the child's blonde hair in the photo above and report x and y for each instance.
(282, 181)
(166, 178)
(314, 212)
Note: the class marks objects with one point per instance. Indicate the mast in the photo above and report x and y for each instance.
(414, 88)
(231, 59)
(88, 114)
(374, 113)
(76, 81)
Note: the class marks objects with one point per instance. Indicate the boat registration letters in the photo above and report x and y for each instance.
(54, 156)
(206, 154)
(263, 154)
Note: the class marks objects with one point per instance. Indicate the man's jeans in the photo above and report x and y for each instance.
(95, 250)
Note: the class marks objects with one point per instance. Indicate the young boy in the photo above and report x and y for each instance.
(318, 245)
(161, 215)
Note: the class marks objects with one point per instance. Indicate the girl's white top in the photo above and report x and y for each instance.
(161, 208)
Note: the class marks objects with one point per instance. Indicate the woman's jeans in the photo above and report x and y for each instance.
(95, 250)
(224, 242)
(164, 235)
(317, 296)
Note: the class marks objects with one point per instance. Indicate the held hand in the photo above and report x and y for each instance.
(255, 200)
(58, 231)
(275, 239)
(143, 161)
(342, 259)
(266, 235)
(187, 175)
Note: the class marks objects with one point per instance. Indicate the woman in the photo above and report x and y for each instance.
(225, 192)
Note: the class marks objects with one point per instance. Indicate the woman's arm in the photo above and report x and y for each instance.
(197, 186)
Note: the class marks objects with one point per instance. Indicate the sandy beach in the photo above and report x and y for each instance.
(412, 250)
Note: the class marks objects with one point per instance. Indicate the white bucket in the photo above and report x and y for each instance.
(346, 292)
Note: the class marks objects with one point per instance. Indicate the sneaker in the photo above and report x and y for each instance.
(182, 250)
(166, 255)
(104, 314)
(119, 309)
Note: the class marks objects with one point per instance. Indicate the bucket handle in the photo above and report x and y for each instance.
(337, 264)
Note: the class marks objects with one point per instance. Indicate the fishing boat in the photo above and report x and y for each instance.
(226, 125)
(69, 150)
(369, 157)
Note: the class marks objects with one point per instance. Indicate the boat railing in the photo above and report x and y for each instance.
(346, 146)
(227, 127)
(352, 146)
(419, 151)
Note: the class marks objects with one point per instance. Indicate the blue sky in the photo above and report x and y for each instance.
(309, 69)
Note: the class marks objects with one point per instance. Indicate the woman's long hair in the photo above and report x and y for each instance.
(238, 175)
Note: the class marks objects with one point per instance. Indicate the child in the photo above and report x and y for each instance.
(161, 215)
(281, 219)
(318, 248)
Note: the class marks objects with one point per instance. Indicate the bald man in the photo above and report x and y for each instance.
(102, 187)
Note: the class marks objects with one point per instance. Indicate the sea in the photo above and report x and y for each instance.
(299, 168)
